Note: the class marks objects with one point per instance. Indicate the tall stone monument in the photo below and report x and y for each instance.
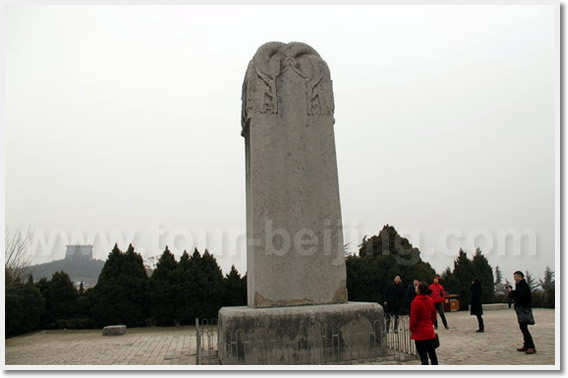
(297, 309)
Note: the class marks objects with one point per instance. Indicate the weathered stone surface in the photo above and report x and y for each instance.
(300, 334)
(297, 297)
(115, 330)
(294, 229)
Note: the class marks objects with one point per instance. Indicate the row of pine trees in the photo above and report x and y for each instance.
(458, 281)
(179, 291)
(176, 293)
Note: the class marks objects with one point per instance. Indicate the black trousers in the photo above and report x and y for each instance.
(425, 349)
(528, 341)
(440, 309)
(391, 315)
(480, 324)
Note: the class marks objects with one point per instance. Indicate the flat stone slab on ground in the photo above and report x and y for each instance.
(115, 330)
(495, 306)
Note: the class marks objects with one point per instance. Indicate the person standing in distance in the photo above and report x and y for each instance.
(438, 296)
(411, 293)
(476, 308)
(523, 305)
(394, 298)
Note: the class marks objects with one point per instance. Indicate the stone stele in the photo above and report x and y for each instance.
(294, 229)
(296, 277)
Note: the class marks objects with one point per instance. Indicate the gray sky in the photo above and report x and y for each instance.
(125, 120)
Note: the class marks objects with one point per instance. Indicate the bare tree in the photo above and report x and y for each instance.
(17, 255)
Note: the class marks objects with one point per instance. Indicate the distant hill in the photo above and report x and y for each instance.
(78, 270)
(78, 264)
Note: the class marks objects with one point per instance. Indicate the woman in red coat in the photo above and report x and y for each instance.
(422, 318)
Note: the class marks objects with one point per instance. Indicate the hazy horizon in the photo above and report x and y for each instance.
(123, 125)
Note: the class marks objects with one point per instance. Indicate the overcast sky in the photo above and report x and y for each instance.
(126, 120)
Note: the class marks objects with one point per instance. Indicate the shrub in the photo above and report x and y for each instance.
(24, 307)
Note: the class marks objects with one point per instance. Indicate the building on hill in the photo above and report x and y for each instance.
(78, 263)
(79, 251)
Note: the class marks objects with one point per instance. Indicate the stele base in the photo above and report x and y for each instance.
(313, 334)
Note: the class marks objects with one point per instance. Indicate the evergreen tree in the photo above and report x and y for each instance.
(484, 272)
(531, 281)
(464, 272)
(548, 282)
(165, 288)
(381, 258)
(450, 282)
(33, 305)
(235, 289)
(25, 306)
(60, 300)
(202, 287)
(187, 267)
(121, 293)
(166, 267)
(213, 281)
(498, 275)
(113, 265)
(85, 303)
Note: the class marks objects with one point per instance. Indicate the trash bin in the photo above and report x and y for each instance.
(452, 303)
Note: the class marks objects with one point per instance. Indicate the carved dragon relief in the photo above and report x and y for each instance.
(272, 60)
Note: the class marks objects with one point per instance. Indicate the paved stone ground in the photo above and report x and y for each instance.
(140, 346)
(460, 345)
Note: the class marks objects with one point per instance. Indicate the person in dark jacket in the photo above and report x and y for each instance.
(421, 324)
(394, 297)
(523, 301)
(509, 297)
(476, 308)
(411, 293)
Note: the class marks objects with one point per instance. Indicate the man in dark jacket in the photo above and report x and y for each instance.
(394, 297)
(523, 302)
(411, 294)
(476, 308)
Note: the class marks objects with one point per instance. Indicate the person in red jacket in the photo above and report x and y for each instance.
(438, 296)
(421, 324)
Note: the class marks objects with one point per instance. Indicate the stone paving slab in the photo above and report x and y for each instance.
(460, 345)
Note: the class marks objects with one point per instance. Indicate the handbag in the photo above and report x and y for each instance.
(437, 341)
(525, 315)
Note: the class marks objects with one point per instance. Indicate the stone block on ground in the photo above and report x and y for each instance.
(115, 330)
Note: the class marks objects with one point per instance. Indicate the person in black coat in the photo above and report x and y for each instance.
(394, 297)
(476, 308)
(523, 303)
(411, 294)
